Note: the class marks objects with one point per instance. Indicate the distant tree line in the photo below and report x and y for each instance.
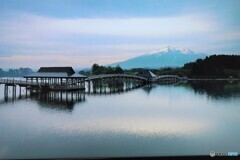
(15, 72)
(215, 66)
(97, 70)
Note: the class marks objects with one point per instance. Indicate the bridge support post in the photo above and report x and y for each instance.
(14, 92)
(100, 85)
(89, 86)
(105, 87)
(72, 95)
(61, 96)
(6, 92)
(66, 96)
(20, 91)
(26, 90)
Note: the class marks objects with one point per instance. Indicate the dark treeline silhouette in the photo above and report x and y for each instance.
(215, 66)
(15, 72)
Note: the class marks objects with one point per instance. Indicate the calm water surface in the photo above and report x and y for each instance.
(186, 119)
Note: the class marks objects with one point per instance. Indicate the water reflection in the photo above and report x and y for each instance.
(66, 100)
(148, 88)
(153, 120)
(54, 99)
(112, 87)
(216, 89)
(170, 82)
(58, 100)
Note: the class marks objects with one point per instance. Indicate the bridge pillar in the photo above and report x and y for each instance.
(66, 96)
(105, 87)
(89, 86)
(6, 92)
(61, 96)
(14, 91)
(72, 95)
(26, 91)
(20, 91)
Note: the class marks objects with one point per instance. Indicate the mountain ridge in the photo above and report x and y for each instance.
(164, 57)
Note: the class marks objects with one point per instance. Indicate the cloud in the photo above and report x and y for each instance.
(103, 40)
(56, 60)
(227, 36)
(30, 26)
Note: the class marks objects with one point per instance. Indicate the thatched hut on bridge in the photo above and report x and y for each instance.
(57, 78)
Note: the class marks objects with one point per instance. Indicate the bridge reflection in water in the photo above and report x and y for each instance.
(102, 84)
(111, 86)
(111, 83)
(66, 100)
(60, 100)
(112, 80)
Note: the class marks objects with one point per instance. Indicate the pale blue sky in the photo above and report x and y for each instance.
(82, 32)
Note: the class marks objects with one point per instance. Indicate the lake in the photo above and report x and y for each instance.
(189, 118)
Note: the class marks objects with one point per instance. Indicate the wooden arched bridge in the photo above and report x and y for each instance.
(134, 78)
(12, 82)
(89, 82)
(66, 79)
(99, 83)
(139, 78)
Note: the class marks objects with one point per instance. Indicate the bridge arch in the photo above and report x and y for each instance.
(109, 76)
(120, 81)
(169, 77)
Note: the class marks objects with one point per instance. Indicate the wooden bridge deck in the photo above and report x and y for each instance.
(168, 76)
(21, 83)
(114, 76)
(12, 82)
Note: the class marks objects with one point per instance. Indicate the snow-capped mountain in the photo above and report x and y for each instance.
(170, 49)
(164, 57)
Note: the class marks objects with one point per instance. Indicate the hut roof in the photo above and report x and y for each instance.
(148, 74)
(68, 70)
(55, 72)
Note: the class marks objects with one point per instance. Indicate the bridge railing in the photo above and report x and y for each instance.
(19, 82)
(168, 76)
(130, 76)
(62, 87)
(8, 81)
(114, 75)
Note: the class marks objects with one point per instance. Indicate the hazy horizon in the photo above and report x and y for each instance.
(80, 33)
